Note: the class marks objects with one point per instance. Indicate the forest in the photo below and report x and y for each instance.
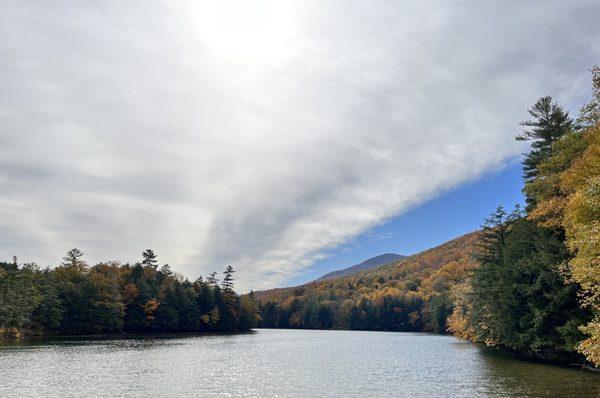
(76, 299)
(528, 281)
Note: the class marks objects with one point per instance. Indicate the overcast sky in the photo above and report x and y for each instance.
(260, 134)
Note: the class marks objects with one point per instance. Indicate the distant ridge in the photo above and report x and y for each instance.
(373, 262)
(459, 250)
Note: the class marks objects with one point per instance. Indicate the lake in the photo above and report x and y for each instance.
(281, 363)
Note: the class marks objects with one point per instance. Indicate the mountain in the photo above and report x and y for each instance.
(373, 262)
(437, 268)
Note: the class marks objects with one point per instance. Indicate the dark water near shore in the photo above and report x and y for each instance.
(281, 363)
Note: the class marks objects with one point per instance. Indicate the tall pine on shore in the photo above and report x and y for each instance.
(542, 290)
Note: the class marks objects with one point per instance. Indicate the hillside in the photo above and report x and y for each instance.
(373, 262)
(410, 294)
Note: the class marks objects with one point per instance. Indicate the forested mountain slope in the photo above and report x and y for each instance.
(411, 294)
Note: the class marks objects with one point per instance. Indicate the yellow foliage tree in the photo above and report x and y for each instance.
(582, 227)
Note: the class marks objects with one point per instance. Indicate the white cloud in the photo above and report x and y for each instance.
(259, 134)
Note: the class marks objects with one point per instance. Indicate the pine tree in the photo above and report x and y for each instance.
(492, 237)
(227, 284)
(165, 270)
(204, 297)
(520, 300)
(73, 258)
(150, 258)
(212, 280)
(48, 314)
(550, 122)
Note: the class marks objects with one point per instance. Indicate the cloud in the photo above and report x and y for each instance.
(260, 134)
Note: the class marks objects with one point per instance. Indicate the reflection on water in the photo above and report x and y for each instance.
(520, 378)
(280, 363)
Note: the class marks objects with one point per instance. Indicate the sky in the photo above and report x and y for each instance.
(269, 135)
(460, 210)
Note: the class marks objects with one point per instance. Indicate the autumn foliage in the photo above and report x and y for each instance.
(528, 282)
(412, 294)
(74, 299)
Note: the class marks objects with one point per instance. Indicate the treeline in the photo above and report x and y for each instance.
(528, 282)
(75, 299)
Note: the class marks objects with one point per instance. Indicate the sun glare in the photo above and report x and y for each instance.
(255, 33)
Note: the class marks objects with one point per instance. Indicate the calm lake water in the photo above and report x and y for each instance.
(281, 363)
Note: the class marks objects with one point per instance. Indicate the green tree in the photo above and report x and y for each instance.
(227, 283)
(212, 279)
(149, 258)
(73, 259)
(106, 305)
(47, 315)
(18, 298)
(520, 299)
(249, 313)
(549, 123)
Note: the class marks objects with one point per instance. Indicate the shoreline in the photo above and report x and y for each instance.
(108, 336)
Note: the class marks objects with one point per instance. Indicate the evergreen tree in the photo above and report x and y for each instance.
(229, 308)
(47, 315)
(18, 298)
(520, 299)
(138, 313)
(73, 259)
(549, 123)
(76, 293)
(149, 258)
(204, 297)
(167, 314)
(227, 283)
(165, 270)
(212, 279)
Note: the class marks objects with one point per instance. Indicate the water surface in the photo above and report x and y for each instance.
(281, 363)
